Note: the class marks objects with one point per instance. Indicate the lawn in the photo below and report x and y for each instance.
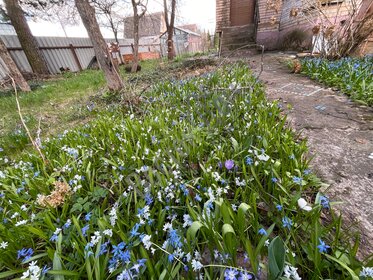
(66, 101)
(353, 76)
(202, 179)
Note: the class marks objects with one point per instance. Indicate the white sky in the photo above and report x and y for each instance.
(200, 12)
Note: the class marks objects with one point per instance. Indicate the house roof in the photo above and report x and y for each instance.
(183, 30)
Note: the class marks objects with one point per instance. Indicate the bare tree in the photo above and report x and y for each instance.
(136, 5)
(12, 67)
(338, 32)
(169, 14)
(110, 15)
(62, 12)
(28, 42)
(87, 13)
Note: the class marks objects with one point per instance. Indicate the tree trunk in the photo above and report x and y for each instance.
(12, 67)
(115, 32)
(87, 13)
(136, 39)
(170, 28)
(28, 42)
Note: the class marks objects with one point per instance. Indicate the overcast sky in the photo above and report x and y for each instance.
(201, 12)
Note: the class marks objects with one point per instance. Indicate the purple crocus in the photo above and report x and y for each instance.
(229, 164)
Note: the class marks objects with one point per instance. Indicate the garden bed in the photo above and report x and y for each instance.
(352, 76)
(207, 181)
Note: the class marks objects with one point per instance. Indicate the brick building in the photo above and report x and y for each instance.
(268, 22)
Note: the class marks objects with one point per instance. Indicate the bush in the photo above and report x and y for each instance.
(197, 186)
(294, 40)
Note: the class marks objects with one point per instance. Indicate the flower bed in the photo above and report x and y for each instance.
(352, 76)
(206, 182)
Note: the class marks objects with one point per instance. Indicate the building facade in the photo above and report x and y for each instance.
(271, 22)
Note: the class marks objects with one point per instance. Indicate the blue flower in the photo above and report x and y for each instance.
(67, 224)
(323, 248)
(245, 276)
(297, 180)
(124, 256)
(262, 231)
(279, 207)
(307, 172)
(286, 222)
(230, 274)
(117, 249)
(249, 161)
(104, 248)
(88, 216)
(85, 229)
(171, 258)
(54, 238)
(148, 198)
(174, 239)
(25, 253)
(134, 230)
(274, 180)
(197, 197)
(45, 270)
(324, 201)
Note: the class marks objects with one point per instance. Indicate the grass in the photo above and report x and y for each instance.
(66, 101)
(352, 76)
(202, 180)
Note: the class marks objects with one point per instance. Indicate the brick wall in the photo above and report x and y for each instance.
(222, 14)
(268, 23)
(242, 12)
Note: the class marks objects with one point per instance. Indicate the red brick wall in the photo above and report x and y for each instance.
(142, 56)
(242, 12)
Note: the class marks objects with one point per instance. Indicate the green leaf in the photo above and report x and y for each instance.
(7, 274)
(350, 271)
(276, 258)
(193, 229)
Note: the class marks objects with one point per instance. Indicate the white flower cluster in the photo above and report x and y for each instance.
(113, 214)
(367, 272)
(290, 272)
(33, 272)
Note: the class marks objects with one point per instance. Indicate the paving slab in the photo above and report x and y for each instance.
(340, 138)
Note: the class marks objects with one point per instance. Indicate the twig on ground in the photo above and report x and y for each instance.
(36, 146)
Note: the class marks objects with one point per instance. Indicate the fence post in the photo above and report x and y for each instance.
(75, 57)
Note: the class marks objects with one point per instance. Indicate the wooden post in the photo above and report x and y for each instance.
(76, 57)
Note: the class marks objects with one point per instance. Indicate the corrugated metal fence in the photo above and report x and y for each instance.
(74, 53)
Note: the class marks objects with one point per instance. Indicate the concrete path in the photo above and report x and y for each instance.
(340, 138)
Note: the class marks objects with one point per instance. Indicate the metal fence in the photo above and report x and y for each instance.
(74, 53)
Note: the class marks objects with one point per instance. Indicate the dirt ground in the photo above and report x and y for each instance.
(339, 134)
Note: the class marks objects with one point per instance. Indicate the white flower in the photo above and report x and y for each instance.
(196, 265)
(57, 231)
(20, 223)
(167, 226)
(290, 272)
(113, 215)
(367, 272)
(146, 241)
(108, 232)
(95, 238)
(33, 272)
(3, 245)
(187, 220)
(23, 207)
(302, 203)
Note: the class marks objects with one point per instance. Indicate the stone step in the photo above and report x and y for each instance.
(232, 47)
